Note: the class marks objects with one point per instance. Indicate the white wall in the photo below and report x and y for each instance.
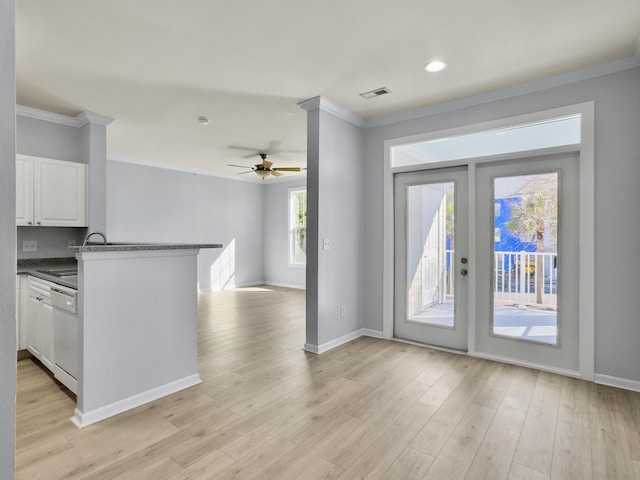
(617, 173)
(153, 204)
(7, 239)
(276, 235)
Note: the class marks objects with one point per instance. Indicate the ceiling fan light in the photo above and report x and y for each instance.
(263, 173)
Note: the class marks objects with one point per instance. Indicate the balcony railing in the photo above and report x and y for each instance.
(515, 278)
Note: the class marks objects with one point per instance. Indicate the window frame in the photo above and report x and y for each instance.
(292, 228)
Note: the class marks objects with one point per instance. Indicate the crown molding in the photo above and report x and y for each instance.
(84, 118)
(321, 103)
(619, 65)
(78, 121)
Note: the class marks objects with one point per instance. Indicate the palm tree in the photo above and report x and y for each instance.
(535, 214)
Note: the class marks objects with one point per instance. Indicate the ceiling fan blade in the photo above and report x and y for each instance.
(266, 163)
(276, 174)
(241, 166)
(287, 169)
(248, 171)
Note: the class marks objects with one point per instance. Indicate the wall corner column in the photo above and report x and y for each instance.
(335, 200)
(7, 238)
(94, 132)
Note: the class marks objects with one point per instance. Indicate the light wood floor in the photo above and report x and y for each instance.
(368, 409)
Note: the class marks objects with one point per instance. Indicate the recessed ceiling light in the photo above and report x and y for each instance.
(203, 120)
(435, 66)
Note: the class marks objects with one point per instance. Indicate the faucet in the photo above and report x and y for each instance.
(104, 238)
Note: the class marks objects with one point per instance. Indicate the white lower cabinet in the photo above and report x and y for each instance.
(40, 322)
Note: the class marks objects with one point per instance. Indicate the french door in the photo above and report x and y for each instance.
(431, 265)
(522, 265)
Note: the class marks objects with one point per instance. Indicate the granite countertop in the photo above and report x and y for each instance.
(34, 266)
(37, 266)
(124, 247)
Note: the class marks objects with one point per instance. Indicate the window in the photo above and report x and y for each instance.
(298, 226)
(517, 138)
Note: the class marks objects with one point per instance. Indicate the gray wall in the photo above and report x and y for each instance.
(276, 235)
(7, 239)
(151, 204)
(94, 151)
(335, 161)
(617, 223)
(49, 140)
(52, 241)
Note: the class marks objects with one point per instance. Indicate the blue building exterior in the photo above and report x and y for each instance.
(504, 239)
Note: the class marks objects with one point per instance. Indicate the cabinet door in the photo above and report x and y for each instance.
(19, 323)
(60, 194)
(34, 342)
(24, 191)
(23, 314)
(46, 339)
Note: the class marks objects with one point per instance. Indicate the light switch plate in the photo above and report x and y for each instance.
(29, 245)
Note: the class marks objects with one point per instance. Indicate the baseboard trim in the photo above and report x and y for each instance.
(367, 332)
(82, 419)
(252, 284)
(617, 382)
(286, 285)
(523, 363)
(330, 345)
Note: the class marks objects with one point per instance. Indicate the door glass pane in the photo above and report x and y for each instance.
(430, 248)
(525, 257)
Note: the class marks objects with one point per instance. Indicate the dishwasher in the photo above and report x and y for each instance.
(65, 336)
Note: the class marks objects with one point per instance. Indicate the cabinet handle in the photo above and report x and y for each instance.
(39, 223)
(30, 223)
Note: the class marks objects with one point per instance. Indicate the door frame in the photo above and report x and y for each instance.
(586, 153)
(453, 338)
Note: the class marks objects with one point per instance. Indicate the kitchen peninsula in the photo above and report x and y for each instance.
(137, 312)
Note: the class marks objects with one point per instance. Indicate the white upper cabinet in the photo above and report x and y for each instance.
(50, 192)
(24, 191)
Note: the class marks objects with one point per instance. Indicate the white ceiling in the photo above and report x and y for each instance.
(155, 66)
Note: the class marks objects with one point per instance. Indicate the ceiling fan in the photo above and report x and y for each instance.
(264, 169)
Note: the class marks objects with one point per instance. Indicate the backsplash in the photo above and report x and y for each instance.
(52, 241)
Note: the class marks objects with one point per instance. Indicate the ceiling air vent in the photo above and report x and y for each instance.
(375, 93)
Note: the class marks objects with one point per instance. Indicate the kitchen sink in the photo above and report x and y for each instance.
(61, 272)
